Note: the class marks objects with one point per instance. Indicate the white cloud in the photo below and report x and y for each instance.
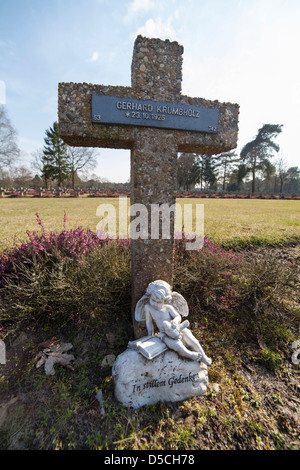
(157, 29)
(138, 6)
(94, 57)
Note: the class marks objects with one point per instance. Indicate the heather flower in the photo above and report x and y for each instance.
(65, 220)
(48, 248)
(39, 221)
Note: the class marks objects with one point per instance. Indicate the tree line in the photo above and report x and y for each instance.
(59, 165)
(254, 170)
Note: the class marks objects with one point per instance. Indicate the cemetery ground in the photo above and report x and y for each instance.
(243, 294)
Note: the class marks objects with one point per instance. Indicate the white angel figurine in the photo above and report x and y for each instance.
(164, 308)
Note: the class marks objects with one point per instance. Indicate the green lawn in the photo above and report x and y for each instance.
(272, 221)
(225, 220)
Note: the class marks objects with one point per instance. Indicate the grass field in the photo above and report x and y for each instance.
(230, 222)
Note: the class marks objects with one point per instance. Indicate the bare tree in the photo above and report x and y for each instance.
(5, 178)
(282, 171)
(79, 158)
(37, 161)
(9, 150)
(22, 177)
(226, 162)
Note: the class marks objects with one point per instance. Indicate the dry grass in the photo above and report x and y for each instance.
(230, 222)
(18, 215)
(250, 220)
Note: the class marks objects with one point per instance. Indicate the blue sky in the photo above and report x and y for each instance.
(243, 51)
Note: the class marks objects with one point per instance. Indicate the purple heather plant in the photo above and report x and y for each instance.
(48, 248)
(74, 244)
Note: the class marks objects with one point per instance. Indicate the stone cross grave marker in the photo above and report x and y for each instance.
(155, 121)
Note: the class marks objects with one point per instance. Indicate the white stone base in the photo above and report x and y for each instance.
(168, 377)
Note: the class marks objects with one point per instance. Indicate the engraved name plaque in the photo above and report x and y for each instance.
(148, 113)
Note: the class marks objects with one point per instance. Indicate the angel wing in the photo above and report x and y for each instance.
(139, 313)
(180, 304)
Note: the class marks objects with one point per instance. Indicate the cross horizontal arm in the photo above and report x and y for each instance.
(77, 128)
(206, 143)
(75, 119)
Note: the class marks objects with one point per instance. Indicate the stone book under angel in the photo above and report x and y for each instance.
(148, 346)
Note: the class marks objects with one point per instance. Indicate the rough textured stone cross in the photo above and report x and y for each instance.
(156, 75)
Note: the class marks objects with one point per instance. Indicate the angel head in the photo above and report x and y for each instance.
(158, 294)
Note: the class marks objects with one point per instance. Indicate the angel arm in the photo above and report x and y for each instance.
(174, 314)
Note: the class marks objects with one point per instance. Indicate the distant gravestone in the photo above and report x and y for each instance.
(155, 121)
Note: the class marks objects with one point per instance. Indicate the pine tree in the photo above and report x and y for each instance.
(255, 155)
(55, 159)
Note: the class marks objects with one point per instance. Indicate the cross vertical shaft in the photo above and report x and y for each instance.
(153, 181)
(156, 73)
(156, 69)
